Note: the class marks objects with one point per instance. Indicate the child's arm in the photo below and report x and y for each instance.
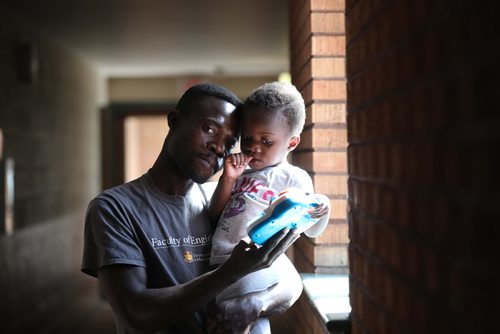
(322, 211)
(234, 165)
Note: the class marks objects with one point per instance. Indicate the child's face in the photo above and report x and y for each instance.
(266, 138)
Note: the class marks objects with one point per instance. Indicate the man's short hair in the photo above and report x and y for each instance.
(200, 91)
(283, 98)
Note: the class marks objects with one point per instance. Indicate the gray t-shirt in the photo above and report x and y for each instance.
(137, 224)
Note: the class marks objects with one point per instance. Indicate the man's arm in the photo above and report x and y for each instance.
(283, 295)
(240, 313)
(142, 309)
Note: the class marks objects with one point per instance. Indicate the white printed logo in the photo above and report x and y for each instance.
(190, 241)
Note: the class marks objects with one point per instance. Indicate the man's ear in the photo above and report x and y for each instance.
(172, 118)
(292, 144)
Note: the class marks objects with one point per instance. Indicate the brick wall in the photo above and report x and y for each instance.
(317, 58)
(51, 130)
(317, 38)
(423, 177)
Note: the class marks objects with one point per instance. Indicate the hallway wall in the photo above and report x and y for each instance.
(50, 127)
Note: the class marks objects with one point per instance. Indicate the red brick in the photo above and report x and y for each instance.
(328, 45)
(302, 56)
(323, 138)
(334, 113)
(334, 234)
(330, 256)
(334, 5)
(327, 23)
(338, 209)
(303, 76)
(328, 67)
(321, 161)
(330, 184)
(325, 90)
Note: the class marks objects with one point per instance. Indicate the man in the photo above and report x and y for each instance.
(148, 241)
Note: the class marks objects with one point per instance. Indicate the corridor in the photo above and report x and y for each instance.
(401, 134)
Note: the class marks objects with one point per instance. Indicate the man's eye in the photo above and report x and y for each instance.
(210, 130)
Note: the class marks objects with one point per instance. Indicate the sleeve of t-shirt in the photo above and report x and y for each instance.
(109, 238)
(301, 180)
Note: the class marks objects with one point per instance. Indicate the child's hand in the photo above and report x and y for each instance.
(322, 209)
(235, 164)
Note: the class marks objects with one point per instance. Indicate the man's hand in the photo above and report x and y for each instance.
(248, 257)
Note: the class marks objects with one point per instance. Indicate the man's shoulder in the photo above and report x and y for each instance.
(120, 193)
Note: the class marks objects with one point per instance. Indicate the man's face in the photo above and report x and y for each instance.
(202, 136)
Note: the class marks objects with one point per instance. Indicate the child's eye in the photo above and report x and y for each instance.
(230, 145)
(267, 142)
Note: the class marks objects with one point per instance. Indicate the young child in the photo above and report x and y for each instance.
(272, 119)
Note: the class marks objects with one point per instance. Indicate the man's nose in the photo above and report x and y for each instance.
(217, 147)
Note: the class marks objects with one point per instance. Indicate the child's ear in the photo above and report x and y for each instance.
(172, 118)
(292, 144)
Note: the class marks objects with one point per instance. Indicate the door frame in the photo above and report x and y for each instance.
(113, 136)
